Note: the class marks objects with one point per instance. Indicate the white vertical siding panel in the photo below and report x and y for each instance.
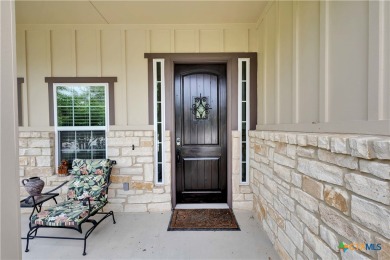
(160, 40)
(295, 65)
(172, 41)
(348, 61)
(38, 67)
(63, 53)
(137, 78)
(324, 62)
(124, 105)
(210, 40)
(112, 53)
(252, 40)
(376, 61)
(260, 74)
(386, 62)
(87, 53)
(185, 41)
(222, 42)
(22, 71)
(309, 43)
(285, 60)
(98, 53)
(236, 40)
(21, 52)
(269, 64)
(277, 62)
(197, 41)
(148, 40)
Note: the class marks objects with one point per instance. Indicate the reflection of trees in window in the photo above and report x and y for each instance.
(82, 144)
(81, 106)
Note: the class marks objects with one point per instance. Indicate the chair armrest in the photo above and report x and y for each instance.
(56, 188)
(112, 162)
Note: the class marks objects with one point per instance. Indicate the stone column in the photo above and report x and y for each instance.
(10, 246)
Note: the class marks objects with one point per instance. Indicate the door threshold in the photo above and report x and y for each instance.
(202, 206)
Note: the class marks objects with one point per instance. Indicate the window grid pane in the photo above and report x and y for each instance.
(159, 124)
(243, 171)
(82, 144)
(81, 106)
(244, 106)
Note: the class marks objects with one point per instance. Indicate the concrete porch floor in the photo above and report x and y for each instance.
(145, 236)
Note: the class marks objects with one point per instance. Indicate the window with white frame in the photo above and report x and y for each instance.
(159, 118)
(243, 116)
(81, 120)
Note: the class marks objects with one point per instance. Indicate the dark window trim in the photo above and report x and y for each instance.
(231, 61)
(56, 80)
(20, 81)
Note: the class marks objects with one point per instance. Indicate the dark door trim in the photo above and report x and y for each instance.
(231, 61)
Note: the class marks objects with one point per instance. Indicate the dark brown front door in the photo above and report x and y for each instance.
(200, 113)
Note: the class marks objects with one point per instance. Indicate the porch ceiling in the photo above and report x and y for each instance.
(137, 12)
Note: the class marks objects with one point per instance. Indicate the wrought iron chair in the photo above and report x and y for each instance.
(87, 195)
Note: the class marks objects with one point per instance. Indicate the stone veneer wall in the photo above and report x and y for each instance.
(136, 167)
(312, 191)
(37, 158)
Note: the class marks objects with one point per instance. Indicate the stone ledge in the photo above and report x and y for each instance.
(361, 146)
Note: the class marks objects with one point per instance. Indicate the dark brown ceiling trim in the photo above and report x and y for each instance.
(80, 79)
(199, 56)
(109, 80)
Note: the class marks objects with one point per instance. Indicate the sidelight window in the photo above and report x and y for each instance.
(159, 118)
(243, 116)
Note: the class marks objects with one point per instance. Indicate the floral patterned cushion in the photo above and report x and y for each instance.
(67, 213)
(87, 186)
(89, 180)
(90, 166)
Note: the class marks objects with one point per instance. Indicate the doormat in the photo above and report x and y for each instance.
(203, 220)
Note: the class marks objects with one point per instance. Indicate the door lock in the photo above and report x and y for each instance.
(178, 141)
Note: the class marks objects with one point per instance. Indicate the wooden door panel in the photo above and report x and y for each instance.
(202, 174)
(201, 142)
(200, 131)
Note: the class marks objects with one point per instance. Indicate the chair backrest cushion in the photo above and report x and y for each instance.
(89, 180)
(90, 166)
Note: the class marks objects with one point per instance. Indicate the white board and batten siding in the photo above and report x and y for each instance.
(112, 51)
(324, 67)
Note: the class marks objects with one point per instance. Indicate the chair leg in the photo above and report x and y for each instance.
(30, 234)
(113, 217)
(28, 240)
(85, 246)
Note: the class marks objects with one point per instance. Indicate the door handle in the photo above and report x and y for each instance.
(178, 156)
(178, 150)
